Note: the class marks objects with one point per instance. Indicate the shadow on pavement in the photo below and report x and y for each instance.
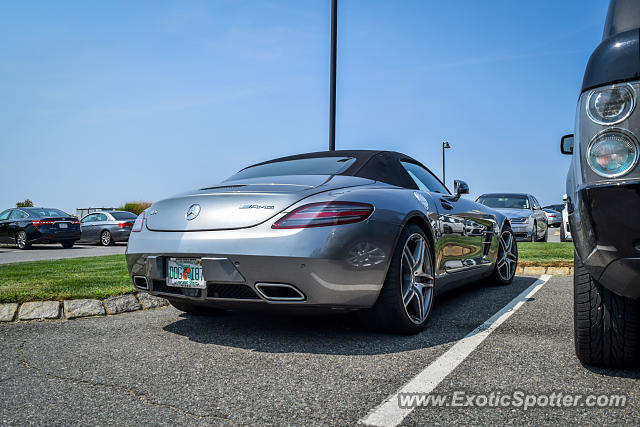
(454, 315)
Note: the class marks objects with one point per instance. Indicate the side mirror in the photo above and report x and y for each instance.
(460, 188)
(566, 144)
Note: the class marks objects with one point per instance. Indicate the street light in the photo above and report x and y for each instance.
(445, 145)
(332, 90)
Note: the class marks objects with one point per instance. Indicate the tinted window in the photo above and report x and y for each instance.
(5, 214)
(123, 215)
(89, 218)
(424, 179)
(558, 208)
(17, 214)
(46, 212)
(315, 166)
(505, 201)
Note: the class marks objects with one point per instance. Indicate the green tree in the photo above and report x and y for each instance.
(135, 207)
(26, 204)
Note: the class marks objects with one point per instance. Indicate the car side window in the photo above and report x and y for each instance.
(101, 217)
(17, 214)
(88, 218)
(5, 214)
(535, 203)
(424, 179)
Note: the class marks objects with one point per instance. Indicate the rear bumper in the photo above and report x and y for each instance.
(120, 235)
(55, 237)
(325, 264)
(606, 234)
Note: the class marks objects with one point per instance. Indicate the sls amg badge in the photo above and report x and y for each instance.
(256, 207)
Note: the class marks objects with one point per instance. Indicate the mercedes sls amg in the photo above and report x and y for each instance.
(368, 230)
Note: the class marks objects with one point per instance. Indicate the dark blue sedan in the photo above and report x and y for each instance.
(25, 226)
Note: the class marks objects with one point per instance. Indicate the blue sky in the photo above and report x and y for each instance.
(108, 102)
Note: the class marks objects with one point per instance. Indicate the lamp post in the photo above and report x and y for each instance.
(445, 145)
(332, 93)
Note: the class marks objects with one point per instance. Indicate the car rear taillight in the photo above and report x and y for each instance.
(137, 226)
(75, 222)
(125, 224)
(325, 214)
(38, 223)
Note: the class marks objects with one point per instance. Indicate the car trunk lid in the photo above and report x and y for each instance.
(242, 203)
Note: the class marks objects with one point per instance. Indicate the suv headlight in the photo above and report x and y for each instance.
(611, 105)
(612, 153)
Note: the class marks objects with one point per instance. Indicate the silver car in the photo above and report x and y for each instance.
(340, 230)
(554, 218)
(528, 220)
(107, 227)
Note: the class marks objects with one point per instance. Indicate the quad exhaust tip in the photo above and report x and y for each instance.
(279, 292)
(141, 282)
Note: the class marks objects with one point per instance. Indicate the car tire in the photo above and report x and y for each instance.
(406, 297)
(106, 239)
(563, 236)
(534, 233)
(22, 240)
(606, 325)
(197, 310)
(67, 245)
(507, 258)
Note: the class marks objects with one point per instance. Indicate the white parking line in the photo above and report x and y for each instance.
(389, 413)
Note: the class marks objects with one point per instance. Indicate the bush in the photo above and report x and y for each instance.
(135, 207)
(26, 204)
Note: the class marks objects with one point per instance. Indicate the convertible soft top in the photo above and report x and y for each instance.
(377, 165)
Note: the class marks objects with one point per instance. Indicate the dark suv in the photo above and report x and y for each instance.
(603, 196)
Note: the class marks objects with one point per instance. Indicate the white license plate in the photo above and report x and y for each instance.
(63, 225)
(185, 273)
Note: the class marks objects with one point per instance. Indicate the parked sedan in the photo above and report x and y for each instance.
(25, 226)
(107, 227)
(554, 218)
(374, 231)
(528, 220)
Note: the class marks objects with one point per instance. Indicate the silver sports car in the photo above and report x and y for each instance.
(343, 230)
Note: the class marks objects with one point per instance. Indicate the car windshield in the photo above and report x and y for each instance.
(46, 212)
(508, 201)
(313, 166)
(123, 215)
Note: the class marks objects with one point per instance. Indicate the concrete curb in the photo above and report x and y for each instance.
(538, 270)
(78, 308)
(73, 309)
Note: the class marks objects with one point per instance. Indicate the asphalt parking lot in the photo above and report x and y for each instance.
(9, 254)
(553, 234)
(164, 367)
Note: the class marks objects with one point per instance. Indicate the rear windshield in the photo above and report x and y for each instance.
(314, 166)
(46, 212)
(123, 215)
(507, 201)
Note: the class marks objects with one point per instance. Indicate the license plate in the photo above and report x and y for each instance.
(185, 273)
(63, 225)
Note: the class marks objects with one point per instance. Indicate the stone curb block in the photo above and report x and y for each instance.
(534, 271)
(122, 304)
(39, 310)
(150, 301)
(8, 311)
(537, 271)
(83, 308)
